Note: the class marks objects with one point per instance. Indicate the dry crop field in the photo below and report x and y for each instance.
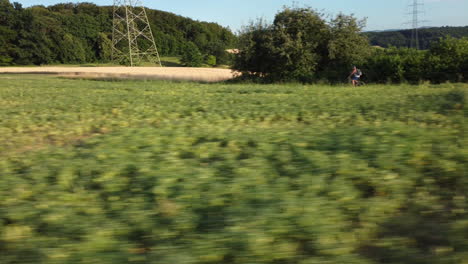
(147, 73)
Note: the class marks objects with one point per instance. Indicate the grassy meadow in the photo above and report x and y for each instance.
(175, 172)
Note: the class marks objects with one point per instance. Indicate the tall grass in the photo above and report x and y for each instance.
(161, 172)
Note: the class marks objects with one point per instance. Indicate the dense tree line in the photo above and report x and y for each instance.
(445, 60)
(81, 33)
(402, 38)
(302, 45)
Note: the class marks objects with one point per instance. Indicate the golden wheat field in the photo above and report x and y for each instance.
(150, 73)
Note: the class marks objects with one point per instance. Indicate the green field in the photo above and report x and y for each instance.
(178, 173)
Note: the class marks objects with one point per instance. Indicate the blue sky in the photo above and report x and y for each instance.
(380, 14)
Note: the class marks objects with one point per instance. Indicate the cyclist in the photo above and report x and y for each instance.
(355, 75)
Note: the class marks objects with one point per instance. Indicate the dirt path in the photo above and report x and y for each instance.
(152, 73)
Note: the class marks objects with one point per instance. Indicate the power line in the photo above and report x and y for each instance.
(132, 38)
(417, 7)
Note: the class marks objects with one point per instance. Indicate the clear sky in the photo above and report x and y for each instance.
(380, 14)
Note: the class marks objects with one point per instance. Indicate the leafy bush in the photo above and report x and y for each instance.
(104, 47)
(446, 60)
(72, 50)
(217, 49)
(396, 65)
(210, 60)
(191, 55)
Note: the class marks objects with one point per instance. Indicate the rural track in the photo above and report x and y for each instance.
(144, 73)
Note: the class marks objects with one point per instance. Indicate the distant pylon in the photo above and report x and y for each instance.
(132, 38)
(417, 9)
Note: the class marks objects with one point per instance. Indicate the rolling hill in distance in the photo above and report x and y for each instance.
(402, 37)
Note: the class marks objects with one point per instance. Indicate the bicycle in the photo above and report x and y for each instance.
(358, 82)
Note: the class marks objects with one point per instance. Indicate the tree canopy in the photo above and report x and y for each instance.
(81, 33)
(301, 45)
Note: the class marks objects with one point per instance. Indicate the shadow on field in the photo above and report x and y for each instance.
(167, 63)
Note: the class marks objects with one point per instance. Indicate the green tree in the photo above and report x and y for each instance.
(6, 49)
(104, 47)
(7, 34)
(301, 45)
(210, 60)
(6, 12)
(218, 49)
(346, 46)
(255, 56)
(35, 41)
(191, 56)
(447, 60)
(72, 50)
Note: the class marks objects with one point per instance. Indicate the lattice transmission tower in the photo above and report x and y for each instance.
(132, 38)
(417, 7)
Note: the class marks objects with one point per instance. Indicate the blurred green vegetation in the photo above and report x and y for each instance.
(160, 172)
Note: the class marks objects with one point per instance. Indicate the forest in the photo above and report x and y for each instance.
(82, 33)
(402, 38)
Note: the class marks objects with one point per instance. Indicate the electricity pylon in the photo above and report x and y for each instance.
(132, 38)
(417, 9)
